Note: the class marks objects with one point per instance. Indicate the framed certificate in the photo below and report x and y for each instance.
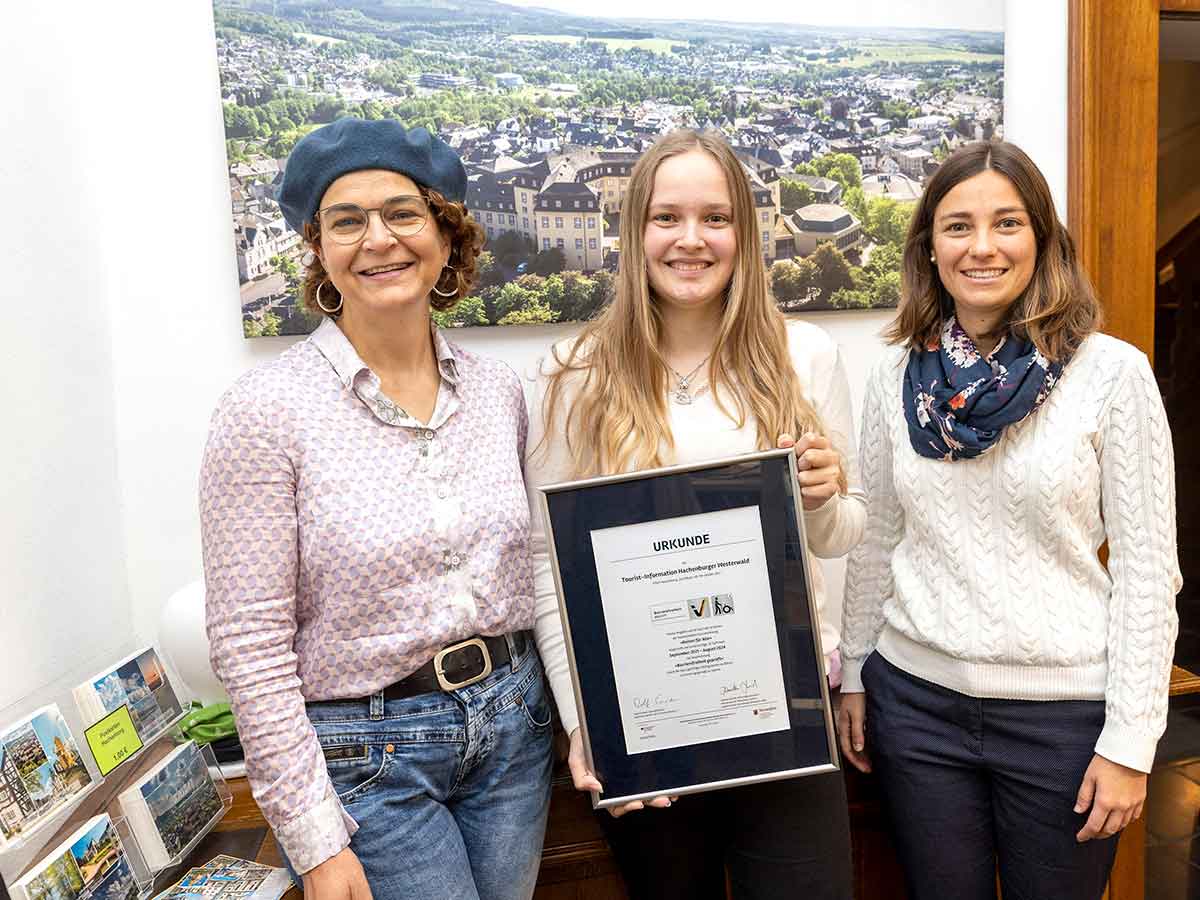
(691, 631)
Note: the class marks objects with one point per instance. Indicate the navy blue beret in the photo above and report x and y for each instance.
(349, 145)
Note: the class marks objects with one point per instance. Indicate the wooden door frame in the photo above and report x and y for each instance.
(1112, 160)
(1112, 156)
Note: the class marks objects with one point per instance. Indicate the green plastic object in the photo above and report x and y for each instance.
(205, 724)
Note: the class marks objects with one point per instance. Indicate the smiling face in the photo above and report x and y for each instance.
(381, 272)
(690, 240)
(985, 246)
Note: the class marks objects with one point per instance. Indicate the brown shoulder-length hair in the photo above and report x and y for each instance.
(617, 420)
(466, 241)
(1056, 311)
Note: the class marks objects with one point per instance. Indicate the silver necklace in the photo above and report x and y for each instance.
(680, 393)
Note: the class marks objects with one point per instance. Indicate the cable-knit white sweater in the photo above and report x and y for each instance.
(982, 575)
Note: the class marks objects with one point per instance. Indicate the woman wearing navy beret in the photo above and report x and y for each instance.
(366, 550)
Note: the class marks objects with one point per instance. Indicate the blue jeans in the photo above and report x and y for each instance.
(450, 790)
(973, 785)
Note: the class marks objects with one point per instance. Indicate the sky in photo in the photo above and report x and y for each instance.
(973, 15)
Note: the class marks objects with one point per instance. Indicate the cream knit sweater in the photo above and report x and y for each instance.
(982, 575)
(701, 431)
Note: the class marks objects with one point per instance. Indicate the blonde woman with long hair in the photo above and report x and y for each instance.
(692, 360)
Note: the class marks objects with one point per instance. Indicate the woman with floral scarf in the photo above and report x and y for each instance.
(1005, 683)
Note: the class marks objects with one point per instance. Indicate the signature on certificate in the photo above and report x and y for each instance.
(739, 687)
(655, 702)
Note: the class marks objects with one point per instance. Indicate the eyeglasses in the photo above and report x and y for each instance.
(346, 223)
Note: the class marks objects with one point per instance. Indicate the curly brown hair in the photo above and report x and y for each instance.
(466, 241)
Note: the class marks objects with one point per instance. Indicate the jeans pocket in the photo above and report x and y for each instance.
(533, 703)
(354, 764)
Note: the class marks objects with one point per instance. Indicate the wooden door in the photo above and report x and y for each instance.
(1112, 161)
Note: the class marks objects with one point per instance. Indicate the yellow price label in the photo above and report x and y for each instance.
(113, 739)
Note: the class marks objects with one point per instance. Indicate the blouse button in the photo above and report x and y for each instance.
(455, 559)
(428, 435)
(441, 493)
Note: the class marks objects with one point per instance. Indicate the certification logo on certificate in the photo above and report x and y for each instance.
(688, 609)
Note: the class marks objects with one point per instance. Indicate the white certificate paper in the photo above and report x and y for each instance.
(687, 606)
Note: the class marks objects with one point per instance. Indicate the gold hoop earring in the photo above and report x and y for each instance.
(325, 309)
(442, 293)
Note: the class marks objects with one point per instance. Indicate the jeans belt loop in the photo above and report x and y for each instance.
(514, 658)
(377, 705)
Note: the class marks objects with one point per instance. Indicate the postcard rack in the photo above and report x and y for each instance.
(138, 683)
(142, 875)
(57, 815)
(226, 796)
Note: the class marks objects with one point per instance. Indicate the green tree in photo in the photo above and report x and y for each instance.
(576, 297)
(884, 258)
(516, 295)
(268, 326)
(845, 298)
(793, 281)
(783, 282)
(833, 271)
(549, 262)
(856, 201)
(841, 167)
(885, 291)
(887, 220)
(290, 270)
(538, 312)
(511, 248)
(468, 311)
(795, 195)
(550, 292)
(488, 270)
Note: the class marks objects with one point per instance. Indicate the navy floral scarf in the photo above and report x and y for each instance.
(958, 402)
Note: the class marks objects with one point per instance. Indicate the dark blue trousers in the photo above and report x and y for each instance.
(973, 783)
(779, 840)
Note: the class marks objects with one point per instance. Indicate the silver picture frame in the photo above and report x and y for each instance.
(813, 707)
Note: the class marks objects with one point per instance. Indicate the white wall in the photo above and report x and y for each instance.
(64, 594)
(130, 116)
(1035, 88)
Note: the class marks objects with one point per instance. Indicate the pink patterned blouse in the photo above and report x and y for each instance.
(345, 543)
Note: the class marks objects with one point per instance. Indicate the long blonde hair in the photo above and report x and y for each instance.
(618, 420)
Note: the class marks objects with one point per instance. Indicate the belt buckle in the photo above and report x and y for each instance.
(448, 685)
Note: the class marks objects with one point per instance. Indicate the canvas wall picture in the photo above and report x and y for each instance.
(838, 119)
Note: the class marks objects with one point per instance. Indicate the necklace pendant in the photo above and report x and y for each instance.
(682, 397)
